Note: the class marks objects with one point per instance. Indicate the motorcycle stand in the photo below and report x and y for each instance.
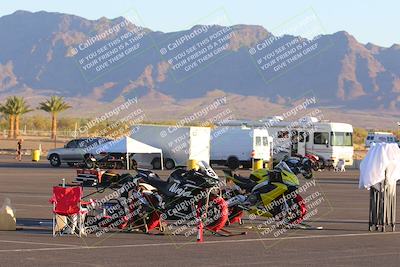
(161, 228)
(305, 226)
(144, 228)
(200, 227)
(226, 233)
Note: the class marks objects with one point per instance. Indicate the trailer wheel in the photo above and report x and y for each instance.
(133, 164)
(233, 163)
(169, 164)
(156, 163)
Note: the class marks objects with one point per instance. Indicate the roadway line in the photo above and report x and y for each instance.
(33, 205)
(15, 195)
(319, 220)
(36, 243)
(74, 247)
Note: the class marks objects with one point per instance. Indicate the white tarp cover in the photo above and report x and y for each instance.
(381, 158)
(126, 145)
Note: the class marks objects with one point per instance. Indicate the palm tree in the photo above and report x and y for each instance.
(21, 107)
(54, 105)
(14, 108)
(6, 109)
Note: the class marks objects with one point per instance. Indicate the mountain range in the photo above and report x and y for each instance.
(98, 64)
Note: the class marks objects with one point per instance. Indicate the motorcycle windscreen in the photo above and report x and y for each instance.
(206, 168)
(288, 176)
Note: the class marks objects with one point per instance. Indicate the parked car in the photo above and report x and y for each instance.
(74, 151)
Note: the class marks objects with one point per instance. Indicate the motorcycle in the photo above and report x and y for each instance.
(145, 202)
(317, 163)
(300, 165)
(132, 206)
(269, 193)
(190, 195)
(107, 161)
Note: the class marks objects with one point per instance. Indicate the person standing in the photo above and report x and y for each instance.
(19, 150)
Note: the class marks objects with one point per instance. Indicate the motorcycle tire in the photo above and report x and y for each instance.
(316, 166)
(89, 164)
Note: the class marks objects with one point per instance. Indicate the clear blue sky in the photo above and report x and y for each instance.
(368, 20)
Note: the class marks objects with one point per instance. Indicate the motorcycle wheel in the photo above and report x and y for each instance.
(217, 214)
(309, 175)
(316, 166)
(89, 164)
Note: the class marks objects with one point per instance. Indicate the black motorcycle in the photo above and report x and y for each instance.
(130, 206)
(108, 161)
(189, 195)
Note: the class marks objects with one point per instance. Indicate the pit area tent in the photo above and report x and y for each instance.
(128, 145)
(379, 172)
(381, 162)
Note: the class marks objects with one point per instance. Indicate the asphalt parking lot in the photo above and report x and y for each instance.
(343, 241)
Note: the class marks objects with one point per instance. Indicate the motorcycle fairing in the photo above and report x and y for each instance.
(289, 178)
(268, 193)
(271, 192)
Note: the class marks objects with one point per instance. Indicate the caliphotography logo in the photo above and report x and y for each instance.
(204, 43)
(111, 45)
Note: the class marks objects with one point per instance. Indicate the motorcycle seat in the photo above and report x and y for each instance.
(161, 185)
(178, 174)
(154, 180)
(147, 173)
(244, 182)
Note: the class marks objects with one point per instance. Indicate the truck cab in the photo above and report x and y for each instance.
(380, 137)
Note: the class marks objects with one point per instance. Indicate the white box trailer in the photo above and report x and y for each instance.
(179, 144)
(232, 145)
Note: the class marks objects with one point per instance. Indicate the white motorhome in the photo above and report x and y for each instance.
(179, 144)
(231, 144)
(329, 140)
(380, 137)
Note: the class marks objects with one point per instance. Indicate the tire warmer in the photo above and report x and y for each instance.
(200, 229)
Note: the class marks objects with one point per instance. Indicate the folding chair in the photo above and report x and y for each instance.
(67, 209)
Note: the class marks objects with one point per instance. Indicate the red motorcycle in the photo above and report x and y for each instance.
(317, 163)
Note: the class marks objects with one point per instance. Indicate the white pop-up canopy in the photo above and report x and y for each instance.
(127, 145)
(382, 161)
